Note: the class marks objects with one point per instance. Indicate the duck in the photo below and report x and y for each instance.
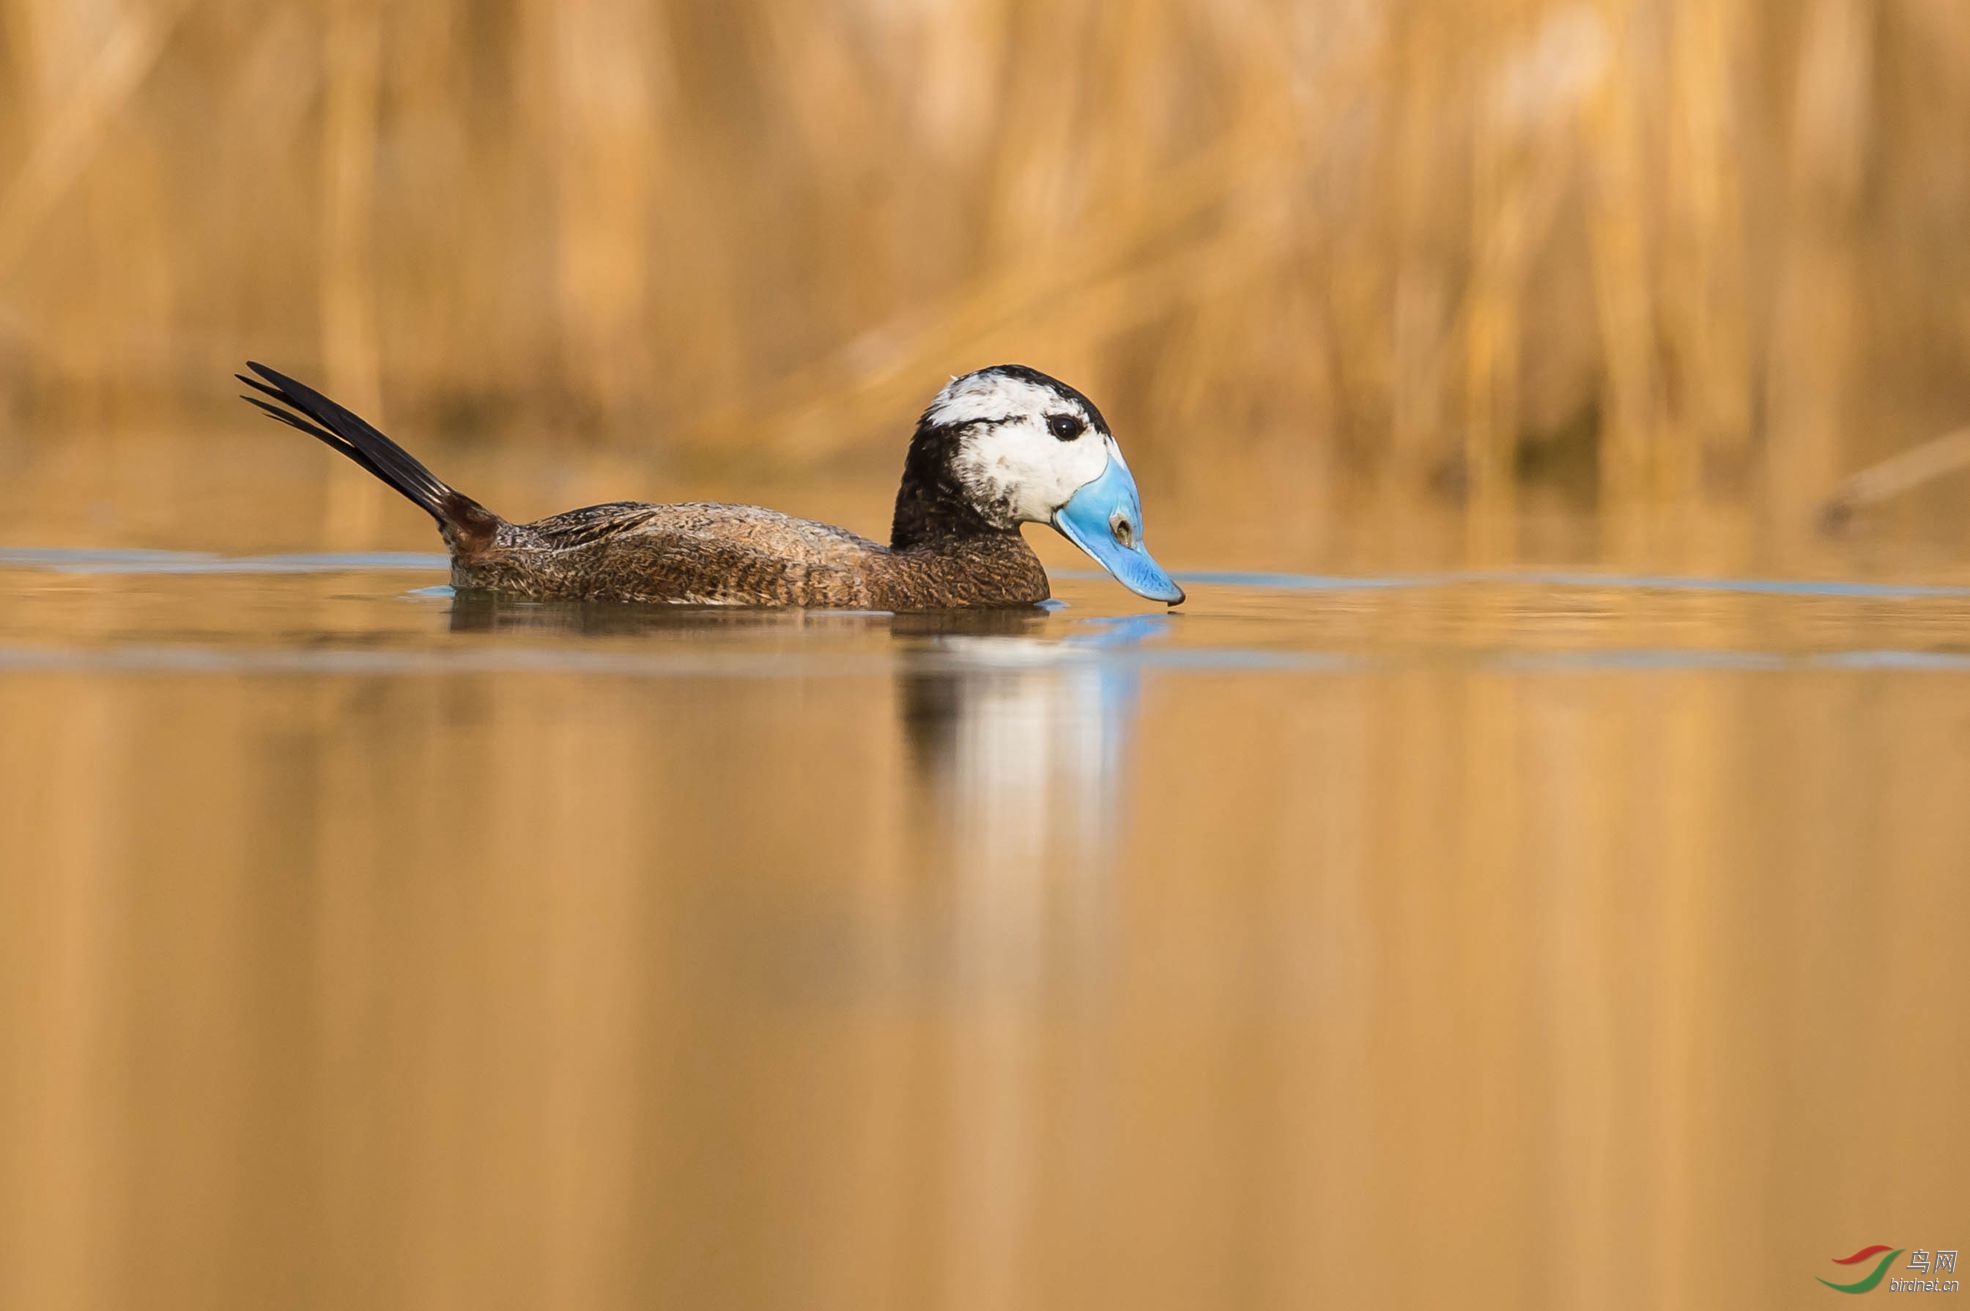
(995, 449)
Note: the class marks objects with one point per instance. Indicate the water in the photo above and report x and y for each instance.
(1497, 937)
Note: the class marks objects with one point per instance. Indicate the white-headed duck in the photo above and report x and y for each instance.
(998, 448)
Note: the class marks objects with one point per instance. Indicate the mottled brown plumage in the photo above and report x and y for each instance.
(711, 554)
(945, 552)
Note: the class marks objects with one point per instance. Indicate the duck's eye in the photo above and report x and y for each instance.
(1065, 426)
(1124, 533)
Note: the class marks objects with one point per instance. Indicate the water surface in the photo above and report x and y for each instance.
(1500, 936)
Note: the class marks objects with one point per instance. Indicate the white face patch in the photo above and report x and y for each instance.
(1015, 469)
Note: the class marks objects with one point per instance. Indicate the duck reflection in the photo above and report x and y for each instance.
(997, 701)
(1018, 721)
(1017, 726)
(1020, 729)
(490, 612)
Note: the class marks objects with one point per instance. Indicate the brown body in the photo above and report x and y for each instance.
(711, 554)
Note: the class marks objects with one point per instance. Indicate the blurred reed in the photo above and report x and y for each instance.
(1658, 250)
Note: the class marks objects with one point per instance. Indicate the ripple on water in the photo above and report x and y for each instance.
(351, 621)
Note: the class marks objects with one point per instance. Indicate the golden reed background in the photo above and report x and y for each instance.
(1666, 249)
(1436, 975)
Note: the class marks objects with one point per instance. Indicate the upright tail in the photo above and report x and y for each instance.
(466, 524)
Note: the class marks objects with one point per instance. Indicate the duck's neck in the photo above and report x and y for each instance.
(942, 569)
(932, 511)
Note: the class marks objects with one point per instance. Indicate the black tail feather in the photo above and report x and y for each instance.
(321, 434)
(462, 519)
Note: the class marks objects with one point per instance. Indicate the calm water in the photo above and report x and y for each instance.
(1502, 937)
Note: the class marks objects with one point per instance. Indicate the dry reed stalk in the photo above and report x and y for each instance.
(1492, 329)
(1624, 287)
(1809, 383)
(1523, 165)
(1422, 281)
(609, 166)
(351, 49)
(1897, 476)
(351, 353)
(1703, 275)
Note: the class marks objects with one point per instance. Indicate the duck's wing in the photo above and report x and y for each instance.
(697, 553)
(593, 523)
(767, 532)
